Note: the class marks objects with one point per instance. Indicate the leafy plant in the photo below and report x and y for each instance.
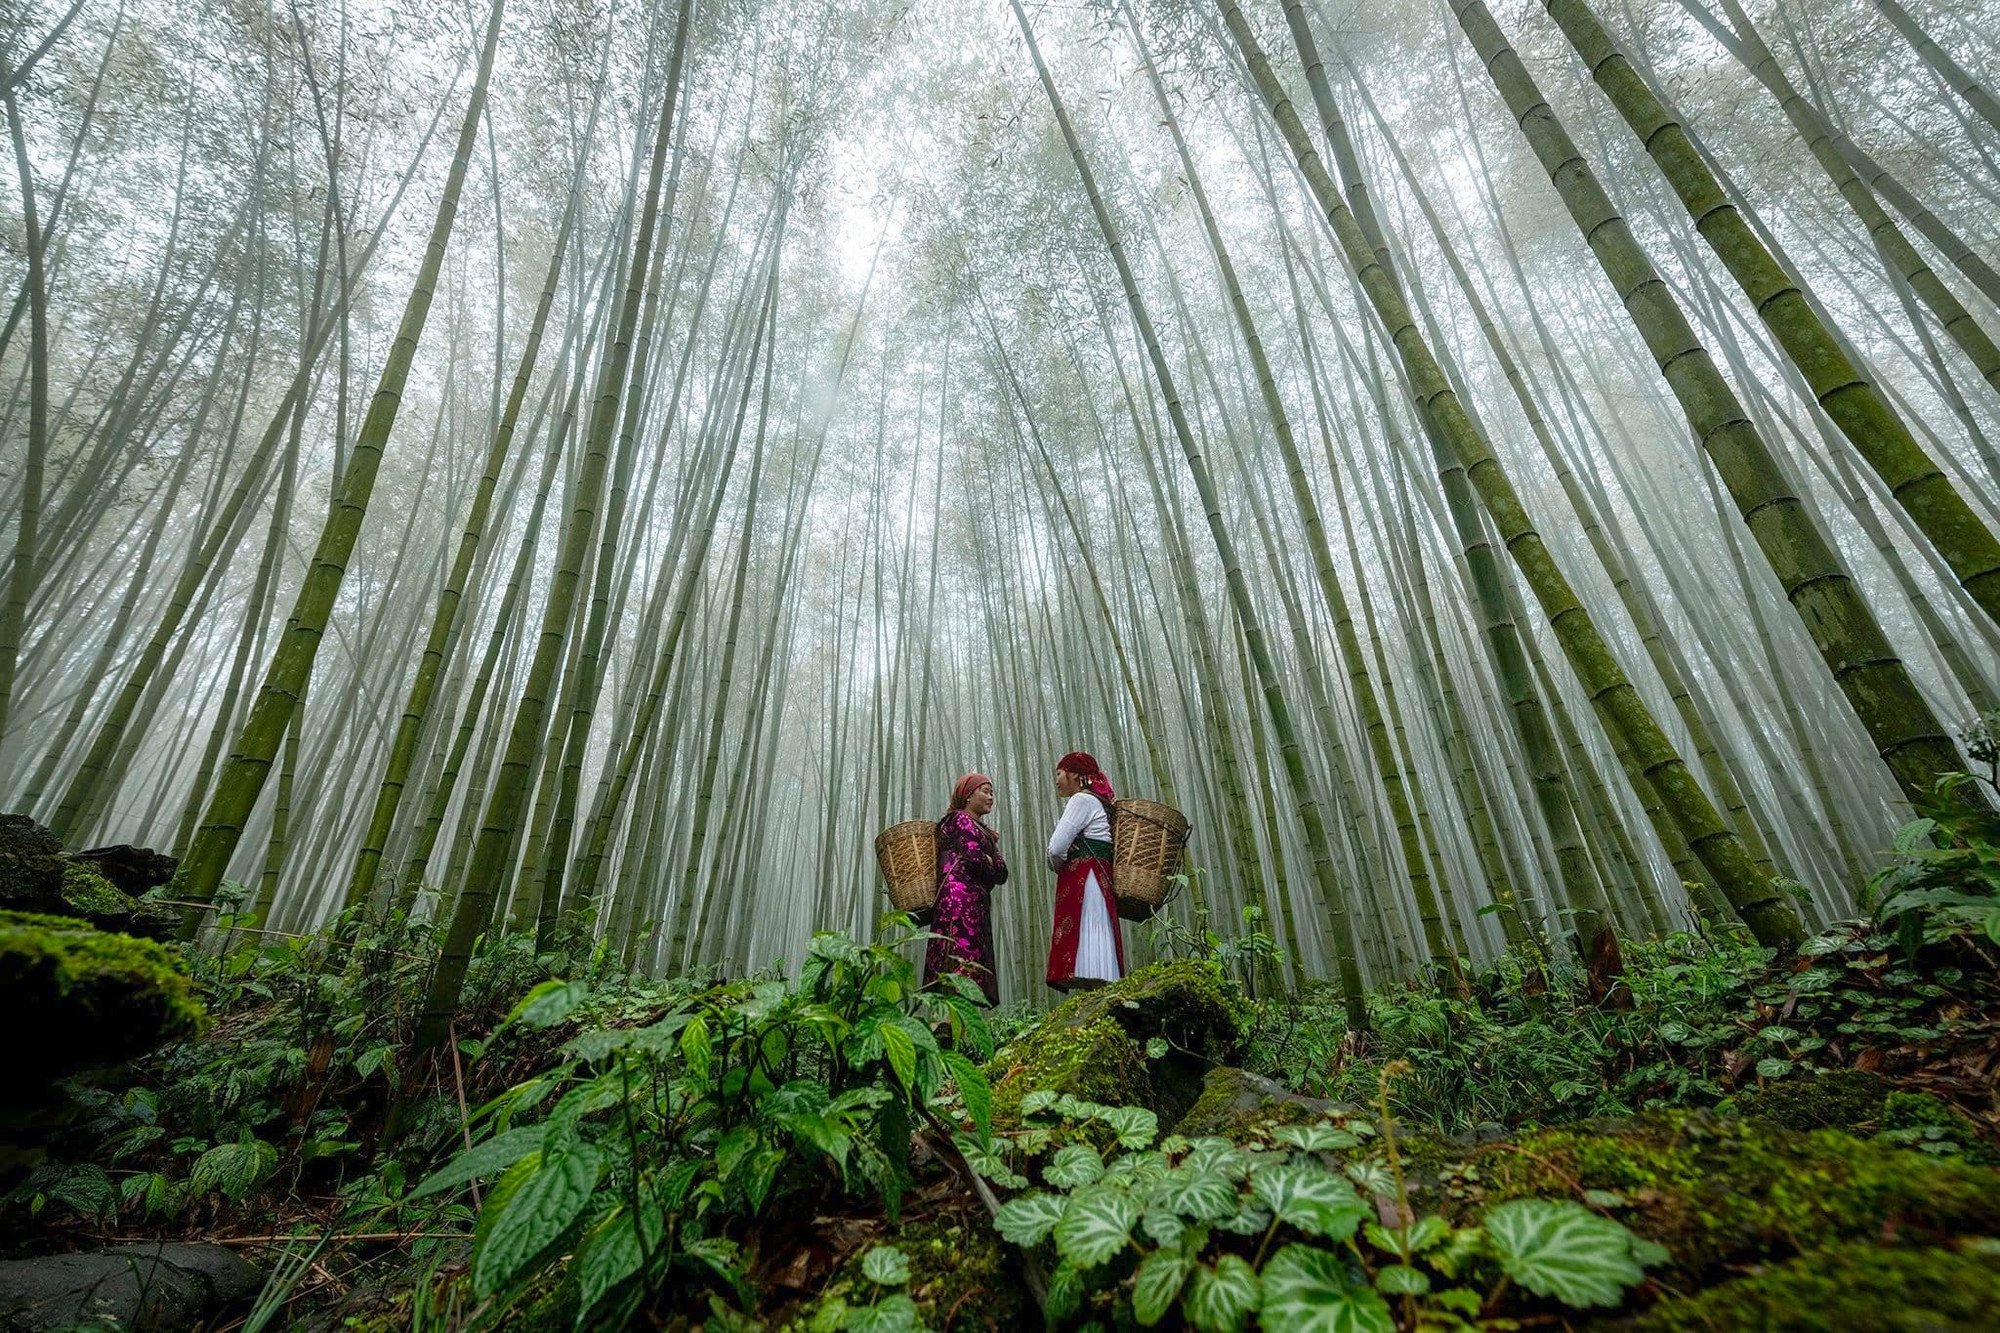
(1224, 1231)
(629, 1167)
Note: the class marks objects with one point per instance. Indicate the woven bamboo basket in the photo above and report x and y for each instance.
(1147, 839)
(907, 853)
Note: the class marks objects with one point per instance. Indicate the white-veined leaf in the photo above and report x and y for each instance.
(1028, 1219)
(886, 1266)
(1219, 1299)
(1206, 1196)
(1156, 1284)
(1562, 1249)
(1315, 1201)
(1310, 1290)
(1073, 1165)
(1095, 1224)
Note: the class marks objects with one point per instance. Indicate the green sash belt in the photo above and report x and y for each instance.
(1083, 849)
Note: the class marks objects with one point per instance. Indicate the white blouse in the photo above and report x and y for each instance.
(1083, 817)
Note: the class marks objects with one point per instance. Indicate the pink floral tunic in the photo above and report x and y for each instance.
(969, 869)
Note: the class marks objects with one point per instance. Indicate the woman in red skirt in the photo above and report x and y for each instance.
(1085, 948)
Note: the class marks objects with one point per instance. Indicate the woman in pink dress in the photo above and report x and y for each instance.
(1085, 948)
(970, 867)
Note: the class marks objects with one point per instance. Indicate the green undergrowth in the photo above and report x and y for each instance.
(848, 1151)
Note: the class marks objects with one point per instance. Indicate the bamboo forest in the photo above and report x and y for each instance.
(890, 665)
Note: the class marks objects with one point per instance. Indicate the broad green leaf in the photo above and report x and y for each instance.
(973, 1087)
(1027, 1220)
(696, 1047)
(483, 1159)
(1402, 1280)
(1037, 1101)
(1095, 1224)
(1206, 1196)
(1162, 1225)
(902, 1053)
(1315, 1201)
(1156, 1284)
(549, 1003)
(1772, 1066)
(1210, 1154)
(536, 1217)
(891, 1314)
(1073, 1165)
(1310, 1290)
(1136, 1126)
(1219, 1299)
(1562, 1249)
(233, 1169)
(886, 1266)
(609, 1254)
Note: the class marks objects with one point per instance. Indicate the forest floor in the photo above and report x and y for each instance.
(1755, 1141)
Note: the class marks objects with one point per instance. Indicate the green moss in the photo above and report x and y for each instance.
(1719, 1191)
(1855, 1285)
(84, 997)
(1846, 1099)
(1188, 1006)
(92, 896)
(1928, 1122)
(1236, 1104)
(961, 1277)
(1096, 1061)
(1186, 1002)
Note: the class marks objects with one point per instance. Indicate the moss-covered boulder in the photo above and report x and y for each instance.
(1853, 1285)
(99, 886)
(1849, 1099)
(1188, 1004)
(91, 897)
(1097, 1061)
(1237, 1104)
(81, 998)
(1181, 1017)
(1720, 1192)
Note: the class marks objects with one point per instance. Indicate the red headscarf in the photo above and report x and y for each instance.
(967, 785)
(1085, 767)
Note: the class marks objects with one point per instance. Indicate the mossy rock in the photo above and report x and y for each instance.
(84, 998)
(1186, 1005)
(962, 1277)
(1849, 1099)
(1718, 1192)
(91, 897)
(1237, 1104)
(1096, 1061)
(1852, 1285)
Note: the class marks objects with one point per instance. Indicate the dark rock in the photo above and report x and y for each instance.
(1237, 1104)
(132, 869)
(22, 836)
(31, 876)
(100, 886)
(155, 1286)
